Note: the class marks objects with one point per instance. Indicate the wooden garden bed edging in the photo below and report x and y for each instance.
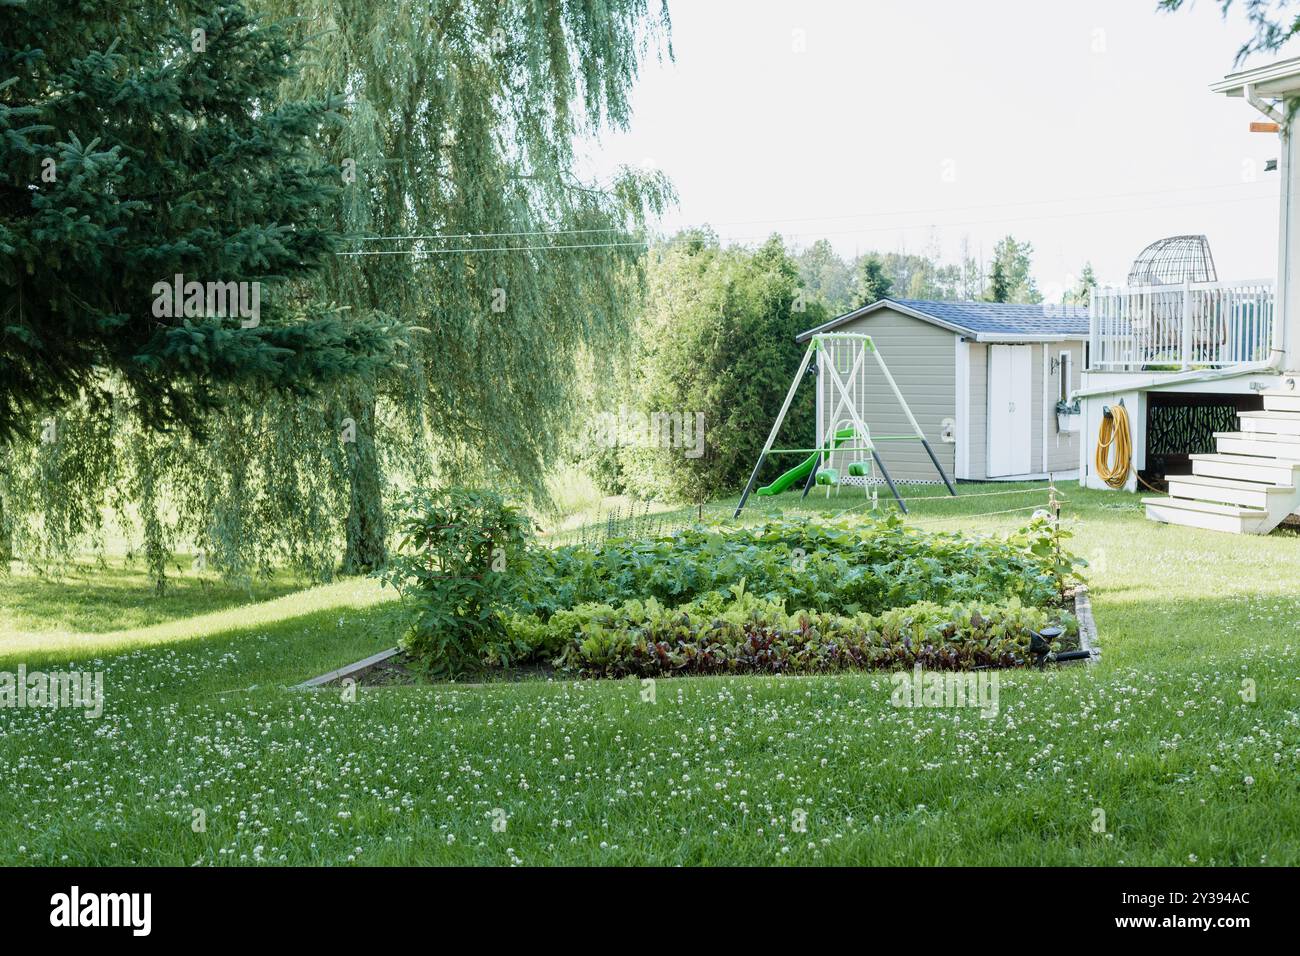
(351, 670)
(1087, 626)
(1082, 611)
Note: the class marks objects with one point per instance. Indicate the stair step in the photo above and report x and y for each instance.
(1259, 443)
(1251, 481)
(1249, 494)
(1231, 483)
(1281, 400)
(1273, 471)
(1275, 423)
(1205, 514)
(1210, 507)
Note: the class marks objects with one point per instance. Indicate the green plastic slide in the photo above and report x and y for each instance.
(800, 471)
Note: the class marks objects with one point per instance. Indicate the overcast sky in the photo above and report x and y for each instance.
(1087, 128)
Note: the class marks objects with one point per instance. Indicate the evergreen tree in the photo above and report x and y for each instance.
(1081, 294)
(718, 342)
(141, 142)
(999, 288)
(1015, 260)
(1273, 22)
(826, 277)
(873, 283)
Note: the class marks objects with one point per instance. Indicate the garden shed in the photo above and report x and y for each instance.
(984, 380)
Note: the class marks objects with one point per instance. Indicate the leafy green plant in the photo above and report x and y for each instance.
(746, 633)
(790, 595)
(843, 566)
(461, 555)
(1042, 539)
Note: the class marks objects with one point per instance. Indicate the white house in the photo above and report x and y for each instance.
(1206, 371)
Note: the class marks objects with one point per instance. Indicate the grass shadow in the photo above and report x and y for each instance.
(90, 598)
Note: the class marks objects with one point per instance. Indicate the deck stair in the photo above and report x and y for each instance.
(1252, 481)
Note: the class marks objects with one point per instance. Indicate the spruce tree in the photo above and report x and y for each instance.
(873, 282)
(1082, 293)
(999, 288)
(139, 142)
(1014, 260)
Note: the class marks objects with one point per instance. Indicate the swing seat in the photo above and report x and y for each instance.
(859, 469)
(828, 476)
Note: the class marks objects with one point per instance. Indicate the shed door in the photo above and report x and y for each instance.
(1010, 413)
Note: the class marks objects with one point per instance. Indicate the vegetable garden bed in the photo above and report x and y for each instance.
(397, 667)
(787, 596)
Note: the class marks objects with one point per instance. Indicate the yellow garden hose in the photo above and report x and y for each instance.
(1114, 434)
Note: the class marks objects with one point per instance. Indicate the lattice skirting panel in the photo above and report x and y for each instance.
(1183, 425)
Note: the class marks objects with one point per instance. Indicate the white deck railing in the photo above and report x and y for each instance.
(1196, 324)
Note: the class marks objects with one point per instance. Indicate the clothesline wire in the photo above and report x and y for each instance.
(854, 215)
(978, 494)
(823, 233)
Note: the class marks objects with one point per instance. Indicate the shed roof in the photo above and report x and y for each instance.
(982, 321)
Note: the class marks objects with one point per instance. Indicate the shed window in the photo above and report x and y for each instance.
(1064, 392)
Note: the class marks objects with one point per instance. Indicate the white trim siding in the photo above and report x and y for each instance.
(962, 417)
(977, 456)
(1047, 381)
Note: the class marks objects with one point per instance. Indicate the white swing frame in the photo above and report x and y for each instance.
(852, 394)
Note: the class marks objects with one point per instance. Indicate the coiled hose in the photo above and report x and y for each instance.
(1114, 436)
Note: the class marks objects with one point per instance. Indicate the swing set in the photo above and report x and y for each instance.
(842, 435)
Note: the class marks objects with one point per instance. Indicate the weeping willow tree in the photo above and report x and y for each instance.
(472, 225)
(469, 225)
(1274, 24)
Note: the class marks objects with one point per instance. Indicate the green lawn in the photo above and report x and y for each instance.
(716, 770)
